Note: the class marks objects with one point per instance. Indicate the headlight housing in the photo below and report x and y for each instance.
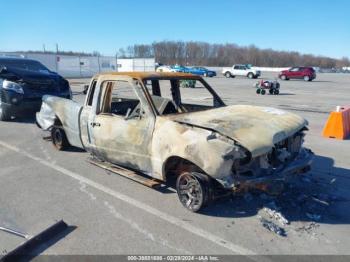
(8, 85)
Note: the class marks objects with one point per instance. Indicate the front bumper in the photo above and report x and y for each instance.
(20, 105)
(23, 108)
(300, 165)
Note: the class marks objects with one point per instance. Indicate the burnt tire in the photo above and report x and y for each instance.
(59, 138)
(194, 190)
(4, 114)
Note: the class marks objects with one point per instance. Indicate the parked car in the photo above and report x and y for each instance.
(164, 68)
(180, 69)
(140, 125)
(202, 71)
(240, 70)
(306, 73)
(23, 83)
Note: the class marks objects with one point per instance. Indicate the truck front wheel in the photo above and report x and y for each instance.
(59, 138)
(193, 190)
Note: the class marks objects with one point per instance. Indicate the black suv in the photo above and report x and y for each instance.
(23, 82)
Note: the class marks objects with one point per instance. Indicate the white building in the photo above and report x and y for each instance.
(87, 66)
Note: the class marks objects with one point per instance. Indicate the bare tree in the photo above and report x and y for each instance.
(201, 53)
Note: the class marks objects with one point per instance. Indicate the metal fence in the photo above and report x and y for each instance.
(87, 66)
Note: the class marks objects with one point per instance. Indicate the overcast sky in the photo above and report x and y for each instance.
(319, 27)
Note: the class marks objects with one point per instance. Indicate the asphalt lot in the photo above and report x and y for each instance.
(110, 214)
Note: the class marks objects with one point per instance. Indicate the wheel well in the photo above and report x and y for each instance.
(176, 165)
(57, 121)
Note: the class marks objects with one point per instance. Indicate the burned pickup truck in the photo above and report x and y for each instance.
(144, 123)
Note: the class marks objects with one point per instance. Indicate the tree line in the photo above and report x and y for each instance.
(206, 54)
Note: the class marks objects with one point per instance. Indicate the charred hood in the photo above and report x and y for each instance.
(257, 129)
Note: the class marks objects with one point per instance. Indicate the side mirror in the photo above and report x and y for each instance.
(86, 88)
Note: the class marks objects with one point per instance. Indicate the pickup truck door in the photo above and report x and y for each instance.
(85, 127)
(121, 129)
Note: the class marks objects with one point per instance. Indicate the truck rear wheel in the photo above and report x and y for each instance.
(59, 138)
(193, 190)
(251, 75)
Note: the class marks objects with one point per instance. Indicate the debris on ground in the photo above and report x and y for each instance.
(269, 225)
(277, 216)
(308, 228)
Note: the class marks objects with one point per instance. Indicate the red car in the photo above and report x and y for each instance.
(306, 73)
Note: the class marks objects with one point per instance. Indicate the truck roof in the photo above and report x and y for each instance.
(152, 75)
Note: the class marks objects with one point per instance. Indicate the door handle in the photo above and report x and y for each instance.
(93, 124)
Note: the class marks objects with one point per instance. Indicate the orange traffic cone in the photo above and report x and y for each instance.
(338, 124)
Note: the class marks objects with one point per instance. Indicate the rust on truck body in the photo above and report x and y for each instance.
(235, 145)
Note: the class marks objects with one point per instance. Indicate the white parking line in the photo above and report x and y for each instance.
(236, 249)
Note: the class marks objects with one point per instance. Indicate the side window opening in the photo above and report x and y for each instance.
(91, 93)
(181, 95)
(119, 98)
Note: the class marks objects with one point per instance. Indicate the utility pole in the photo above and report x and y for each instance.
(44, 48)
